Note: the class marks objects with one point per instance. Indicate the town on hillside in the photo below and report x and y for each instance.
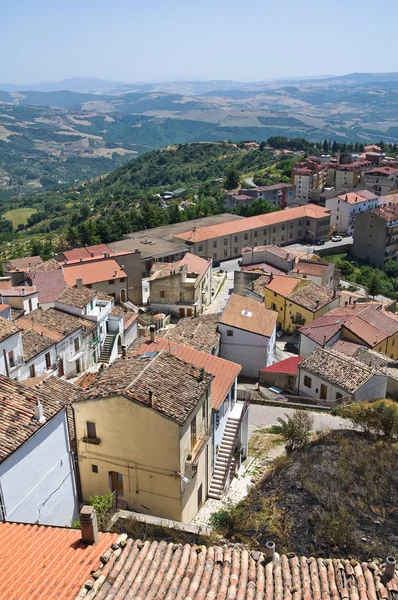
(207, 409)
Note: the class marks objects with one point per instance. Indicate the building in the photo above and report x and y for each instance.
(36, 464)
(282, 374)
(48, 562)
(49, 285)
(17, 267)
(374, 328)
(144, 430)
(248, 334)
(329, 375)
(376, 235)
(297, 302)
(25, 298)
(346, 207)
(103, 275)
(308, 176)
(11, 352)
(225, 241)
(323, 274)
(382, 180)
(39, 355)
(280, 194)
(229, 417)
(347, 175)
(325, 330)
(182, 288)
(275, 256)
(199, 332)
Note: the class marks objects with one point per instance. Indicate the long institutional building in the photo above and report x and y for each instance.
(224, 241)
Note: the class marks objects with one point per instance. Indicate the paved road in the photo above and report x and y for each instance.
(311, 248)
(361, 290)
(265, 416)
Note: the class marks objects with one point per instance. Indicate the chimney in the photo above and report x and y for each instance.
(151, 399)
(389, 569)
(79, 283)
(91, 253)
(39, 415)
(114, 273)
(152, 330)
(89, 525)
(136, 250)
(269, 549)
(324, 341)
(81, 259)
(202, 374)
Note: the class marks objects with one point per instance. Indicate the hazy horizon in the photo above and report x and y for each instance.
(179, 41)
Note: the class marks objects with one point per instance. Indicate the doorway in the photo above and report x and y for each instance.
(324, 391)
(116, 482)
(123, 295)
(182, 313)
(61, 372)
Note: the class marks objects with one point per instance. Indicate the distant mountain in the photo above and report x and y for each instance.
(74, 84)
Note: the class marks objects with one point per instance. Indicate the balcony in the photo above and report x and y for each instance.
(15, 363)
(298, 320)
(193, 458)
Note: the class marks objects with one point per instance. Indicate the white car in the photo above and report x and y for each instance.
(337, 238)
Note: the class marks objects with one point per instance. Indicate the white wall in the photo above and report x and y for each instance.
(307, 345)
(39, 361)
(374, 389)
(37, 481)
(14, 342)
(129, 336)
(251, 351)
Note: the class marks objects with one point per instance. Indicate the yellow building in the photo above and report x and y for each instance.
(297, 302)
(375, 328)
(144, 430)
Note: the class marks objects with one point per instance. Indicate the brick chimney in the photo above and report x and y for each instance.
(89, 525)
(79, 283)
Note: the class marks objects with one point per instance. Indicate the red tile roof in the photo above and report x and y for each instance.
(383, 171)
(326, 327)
(289, 366)
(372, 326)
(49, 284)
(44, 563)
(4, 306)
(249, 315)
(265, 220)
(283, 285)
(224, 371)
(86, 252)
(93, 272)
(195, 264)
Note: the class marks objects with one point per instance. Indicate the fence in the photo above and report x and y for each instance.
(285, 399)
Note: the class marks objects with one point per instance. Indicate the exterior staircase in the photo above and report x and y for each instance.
(224, 458)
(106, 349)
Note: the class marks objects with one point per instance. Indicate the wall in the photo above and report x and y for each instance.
(130, 335)
(14, 342)
(22, 302)
(132, 267)
(315, 390)
(251, 351)
(6, 313)
(264, 255)
(280, 380)
(242, 279)
(307, 345)
(39, 362)
(37, 480)
(66, 350)
(137, 442)
(370, 238)
(308, 316)
(374, 389)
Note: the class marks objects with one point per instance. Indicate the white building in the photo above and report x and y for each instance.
(329, 375)
(346, 206)
(248, 334)
(37, 478)
(11, 352)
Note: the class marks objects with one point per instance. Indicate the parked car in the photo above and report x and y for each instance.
(293, 347)
(319, 242)
(216, 263)
(337, 238)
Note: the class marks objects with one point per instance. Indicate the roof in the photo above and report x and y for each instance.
(224, 371)
(41, 563)
(86, 252)
(77, 297)
(23, 263)
(283, 284)
(258, 285)
(177, 386)
(372, 326)
(33, 343)
(348, 348)
(166, 570)
(7, 328)
(383, 171)
(54, 323)
(49, 284)
(327, 326)
(312, 296)
(4, 306)
(264, 267)
(196, 332)
(17, 423)
(264, 220)
(249, 315)
(47, 265)
(16, 292)
(314, 268)
(272, 249)
(93, 272)
(195, 264)
(289, 366)
(340, 370)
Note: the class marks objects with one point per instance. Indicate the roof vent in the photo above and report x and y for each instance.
(246, 313)
(389, 569)
(39, 414)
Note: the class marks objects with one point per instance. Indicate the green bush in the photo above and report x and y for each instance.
(296, 430)
(379, 418)
(337, 527)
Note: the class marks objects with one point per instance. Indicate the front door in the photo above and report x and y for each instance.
(122, 295)
(61, 369)
(182, 313)
(116, 482)
(324, 391)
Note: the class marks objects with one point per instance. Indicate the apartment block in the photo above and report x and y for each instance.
(345, 207)
(376, 235)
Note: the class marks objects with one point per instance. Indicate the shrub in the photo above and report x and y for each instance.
(337, 527)
(378, 418)
(103, 507)
(296, 430)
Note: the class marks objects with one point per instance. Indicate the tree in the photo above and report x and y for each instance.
(325, 146)
(374, 285)
(232, 180)
(378, 418)
(296, 429)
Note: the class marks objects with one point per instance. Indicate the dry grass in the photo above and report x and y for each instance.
(261, 442)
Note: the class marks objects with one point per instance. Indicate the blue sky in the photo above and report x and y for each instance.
(156, 40)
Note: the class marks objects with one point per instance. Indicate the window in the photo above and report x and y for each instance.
(204, 410)
(111, 282)
(11, 359)
(32, 371)
(200, 248)
(307, 381)
(193, 432)
(246, 237)
(274, 230)
(255, 234)
(236, 250)
(77, 344)
(182, 297)
(283, 226)
(89, 285)
(162, 294)
(275, 294)
(338, 395)
(265, 232)
(299, 222)
(91, 429)
(122, 279)
(230, 332)
(225, 242)
(48, 360)
(94, 468)
(214, 255)
(225, 253)
(273, 306)
(282, 238)
(291, 235)
(214, 244)
(236, 239)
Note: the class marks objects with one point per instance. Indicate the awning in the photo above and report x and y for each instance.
(75, 357)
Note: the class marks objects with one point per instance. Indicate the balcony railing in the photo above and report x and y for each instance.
(193, 456)
(16, 362)
(298, 320)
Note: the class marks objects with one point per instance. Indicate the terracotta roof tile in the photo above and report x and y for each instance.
(23, 263)
(8, 328)
(283, 284)
(224, 371)
(54, 323)
(147, 570)
(197, 332)
(249, 315)
(4, 306)
(49, 284)
(77, 297)
(44, 563)
(315, 268)
(328, 325)
(312, 296)
(93, 272)
(34, 343)
(48, 265)
(86, 252)
(265, 220)
(195, 264)
(289, 366)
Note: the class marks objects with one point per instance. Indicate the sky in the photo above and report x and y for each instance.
(163, 40)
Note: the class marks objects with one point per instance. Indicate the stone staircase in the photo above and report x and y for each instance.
(106, 349)
(224, 458)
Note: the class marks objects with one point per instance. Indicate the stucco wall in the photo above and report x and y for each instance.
(251, 351)
(37, 481)
(39, 361)
(307, 345)
(14, 343)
